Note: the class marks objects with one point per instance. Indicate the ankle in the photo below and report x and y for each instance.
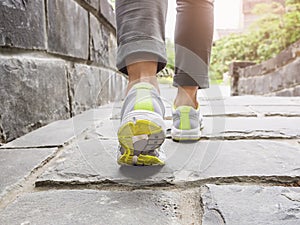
(142, 68)
(150, 80)
(186, 96)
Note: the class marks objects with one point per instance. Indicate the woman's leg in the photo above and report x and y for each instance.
(193, 40)
(141, 37)
(141, 54)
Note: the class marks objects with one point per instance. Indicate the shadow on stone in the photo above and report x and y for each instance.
(139, 173)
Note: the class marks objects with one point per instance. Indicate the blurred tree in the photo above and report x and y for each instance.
(278, 27)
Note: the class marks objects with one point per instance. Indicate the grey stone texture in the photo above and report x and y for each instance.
(75, 71)
(22, 24)
(61, 132)
(33, 92)
(248, 205)
(234, 177)
(94, 161)
(234, 72)
(68, 29)
(278, 76)
(232, 128)
(107, 12)
(95, 4)
(96, 207)
(92, 86)
(17, 164)
(99, 42)
(103, 44)
(287, 111)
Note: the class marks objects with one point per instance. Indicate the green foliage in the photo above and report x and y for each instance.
(277, 28)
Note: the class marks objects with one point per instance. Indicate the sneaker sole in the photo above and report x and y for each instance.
(150, 134)
(186, 135)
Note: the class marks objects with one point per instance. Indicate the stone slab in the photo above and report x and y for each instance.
(61, 132)
(68, 29)
(93, 86)
(95, 207)
(254, 101)
(251, 128)
(88, 87)
(99, 42)
(248, 205)
(225, 128)
(112, 52)
(107, 11)
(17, 164)
(215, 111)
(94, 161)
(22, 24)
(227, 110)
(288, 111)
(33, 92)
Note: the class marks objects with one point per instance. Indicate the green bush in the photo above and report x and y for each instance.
(277, 28)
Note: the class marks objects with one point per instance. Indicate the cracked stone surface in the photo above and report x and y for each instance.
(225, 128)
(63, 131)
(248, 205)
(16, 164)
(99, 207)
(68, 29)
(243, 178)
(44, 93)
(278, 110)
(256, 101)
(22, 24)
(232, 111)
(94, 161)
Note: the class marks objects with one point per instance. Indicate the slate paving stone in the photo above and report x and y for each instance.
(248, 205)
(230, 111)
(226, 128)
(95, 161)
(235, 128)
(288, 111)
(94, 207)
(257, 101)
(17, 164)
(61, 132)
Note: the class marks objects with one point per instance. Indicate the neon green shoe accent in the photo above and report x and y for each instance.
(125, 134)
(185, 118)
(143, 100)
(141, 127)
(142, 160)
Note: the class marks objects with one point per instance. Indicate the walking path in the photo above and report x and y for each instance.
(245, 169)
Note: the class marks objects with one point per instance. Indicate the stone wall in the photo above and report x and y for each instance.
(57, 59)
(279, 76)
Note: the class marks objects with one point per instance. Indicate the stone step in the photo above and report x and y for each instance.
(104, 207)
(17, 164)
(254, 161)
(225, 128)
(248, 205)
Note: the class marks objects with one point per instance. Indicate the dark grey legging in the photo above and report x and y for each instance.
(141, 30)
